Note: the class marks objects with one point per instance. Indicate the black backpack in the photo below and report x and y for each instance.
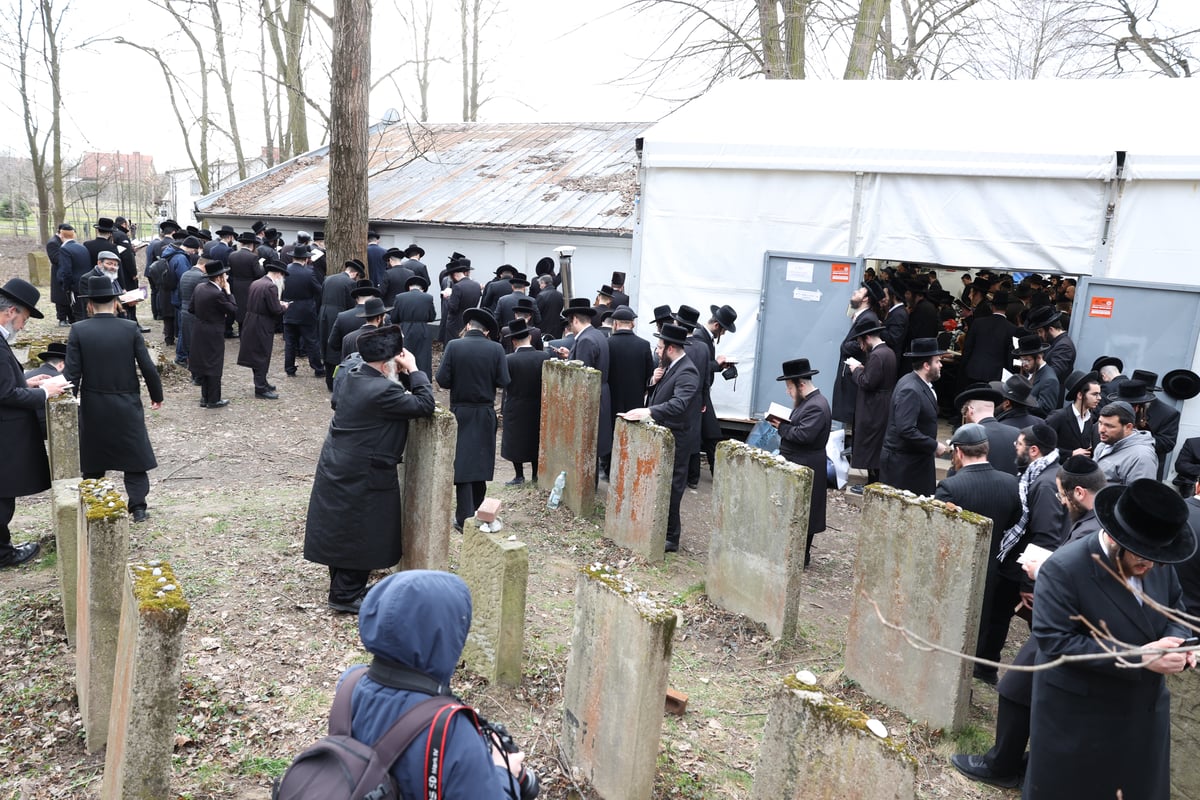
(339, 767)
(161, 273)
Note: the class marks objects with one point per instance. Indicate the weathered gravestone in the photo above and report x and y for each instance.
(613, 697)
(639, 487)
(1185, 735)
(427, 486)
(924, 565)
(815, 747)
(40, 273)
(67, 521)
(497, 572)
(756, 547)
(62, 436)
(103, 552)
(141, 728)
(570, 425)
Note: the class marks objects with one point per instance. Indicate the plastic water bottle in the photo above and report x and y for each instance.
(560, 483)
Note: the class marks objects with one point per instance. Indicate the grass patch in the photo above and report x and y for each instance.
(687, 595)
(971, 739)
(263, 766)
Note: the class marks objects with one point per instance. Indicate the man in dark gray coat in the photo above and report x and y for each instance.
(522, 402)
(591, 348)
(978, 404)
(910, 441)
(413, 311)
(353, 523)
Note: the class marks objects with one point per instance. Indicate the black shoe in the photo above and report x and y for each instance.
(196, 381)
(169, 342)
(693, 485)
(21, 553)
(267, 395)
(181, 362)
(218, 404)
(143, 329)
(456, 525)
(271, 387)
(987, 675)
(140, 515)
(291, 374)
(318, 373)
(672, 547)
(976, 768)
(347, 608)
(517, 481)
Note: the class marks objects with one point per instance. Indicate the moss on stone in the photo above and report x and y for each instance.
(650, 610)
(158, 594)
(928, 504)
(101, 499)
(836, 712)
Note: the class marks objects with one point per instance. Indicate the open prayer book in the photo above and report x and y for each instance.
(1033, 552)
(779, 412)
(133, 295)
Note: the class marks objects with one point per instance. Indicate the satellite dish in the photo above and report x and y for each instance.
(391, 115)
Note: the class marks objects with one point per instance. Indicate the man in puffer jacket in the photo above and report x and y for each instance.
(419, 620)
(1124, 454)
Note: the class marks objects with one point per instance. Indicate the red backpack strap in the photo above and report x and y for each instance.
(435, 747)
(339, 715)
(412, 722)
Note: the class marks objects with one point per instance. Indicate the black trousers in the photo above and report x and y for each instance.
(210, 388)
(997, 614)
(260, 379)
(64, 311)
(137, 487)
(301, 337)
(468, 497)
(330, 368)
(168, 330)
(347, 585)
(8, 507)
(709, 448)
(679, 477)
(519, 469)
(1007, 755)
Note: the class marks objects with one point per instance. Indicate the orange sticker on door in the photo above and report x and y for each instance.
(840, 273)
(1101, 307)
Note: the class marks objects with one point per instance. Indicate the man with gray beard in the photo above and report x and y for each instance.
(264, 310)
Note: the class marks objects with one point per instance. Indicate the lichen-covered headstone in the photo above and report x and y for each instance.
(67, 522)
(62, 436)
(756, 545)
(639, 487)
(616, 682)
(1185, 735)
(103, 554)
(141, 730)
(923, 563)
(815, 747)
(427, 486)
(570, 425)
(39, 268)
(496, 569)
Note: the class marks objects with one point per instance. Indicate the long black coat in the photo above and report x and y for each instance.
(413, 312)
(505, 309)
(845, 388)
(1061, 356)
(630, 366)
(104, 355)
(910, 441)
(210, 305)
(492, 292)
(1046, 391)
(549, 303)
(44, 369)
(987, 350)
(394, 280)
(473, 367)
(463, 295)
(674, 403)
(710, 427)
(873, 385)
(535, 339)
(802, 440)
(591, 347)
(354, 510)
(523, 405)
(1162, 420)
(984, 490)
(262, 313)
(1046, 527)
(244, 270)
(24, 468)
(1096, 727)
(1002, 440)
(344, 324)
(302, 290)
(895, 333)
(335, 298)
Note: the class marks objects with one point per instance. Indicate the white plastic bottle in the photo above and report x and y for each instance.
(560, 483)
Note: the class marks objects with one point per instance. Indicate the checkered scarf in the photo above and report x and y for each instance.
(1014, 534)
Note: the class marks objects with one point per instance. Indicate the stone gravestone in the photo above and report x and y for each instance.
(40, 273)
(427, 486)
(616, 684)
(815, 747)
(756, 547)
(1185, 735)
(924, 565)
(496, 569)
(62, 436)
(67, 520)
(141, 728)
(103, 552)
(639, 488)
(570, 425)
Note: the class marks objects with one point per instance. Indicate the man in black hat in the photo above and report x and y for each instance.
(412, 259)
(1016, 404)
(844, 387)
(25, 469)
(604, 302)
(873, 383)
(376, 258)
(74, 261)
(519, 292)
(522, 402)
(674, 402)
(619, 297)
(103, 241)
(630, 364)
(1111, 371)
(1124, 452)
(549, 302)
(1047, 391)
(977, 404)
(61, 299)
(244, 269)
(591, 347)
(988, 346)
(351, 319)
(336, 297)
(497, 287)
(373, 314)
(803, 436)
(211, 304)
(124, 248)
(910, 442)
(263, 312)
(1156, 416)
(224, 245)
(523, 309)
(413, 311)
(179, 254)
(354, 521)
(1047, 322)
(108, 265)
(473, 367)
(53, 361)
(302, 290)
(102, 353)
(722, 319)
(395, 278)
(1098, 730)
(462, 294)
(1075, 423)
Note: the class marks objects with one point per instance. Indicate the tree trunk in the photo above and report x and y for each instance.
(227, 86)
(346, 229)
(866, 39)
(50, 27)
(466, 55)
(795, 29)
(772, 47)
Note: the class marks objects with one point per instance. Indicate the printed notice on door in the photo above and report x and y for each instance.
(1101, 307)
(800, 271)
(839, 273)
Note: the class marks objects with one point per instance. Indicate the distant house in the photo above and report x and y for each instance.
(500, 193)
(112, 184)
(183, 187)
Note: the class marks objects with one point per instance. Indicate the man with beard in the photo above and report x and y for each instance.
(522, 403)
(1016, 402)
(1047, 392)
(244, 269)
(263, 312)
(473, 367)
(591, 347)
(412, 259)
(910, 440)
(802, 439)
(844, 386)
(873, 384)
(1047, 322)
(462, 294)
(550, 305)
(395, 278)
(354, 521)
(1124, 453)
(108, 266)
(723, 319)
(372, 314)
(124, 248)
(211, 304)
(1075, 422)
(336, 297)
(413, 311)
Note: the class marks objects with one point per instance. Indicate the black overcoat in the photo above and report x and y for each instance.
(1061, 356)
(1046, 391)
(354, 510)
(335, 298)
(413, 311)
(344, 324)
(674, 403)
(463, 295)
(492, 292)
(802, 440)
(104, 355)
(393, 283)
(44, 369)
(895, 333)
(206, 352)
(630, 365)
(984, 490)
(506, 309)
(873, 386)
(1002, 439)
(987, 350)
(262, 313)
(550, 305)
(1162, 420)
(473, 367)
(523, 405)
(24, 468)
(591, 347)
(244, 269)
(302, 290)
(710, 427)
(844, 387)
(535, 339)
(910, 441)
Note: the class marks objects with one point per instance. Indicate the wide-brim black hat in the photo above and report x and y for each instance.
(874, 290)
(1147, 377)
(605, 291)
(247, 237)
(1016, 389)
(519, 280)
(483, 317)
(99, 288)
(978, 391)
(1133, 392)
(364, 288)
(525, 303)
(1076, 381)
(516, 329)
(1149, 519)
(104, 225)
(673, 334)
(924, 348)
(688, 317)
(797, 368)
(53, 350)
(1107, 361)
(275, 266)
(1042, 316)
(663, 314)
(865, 326)
(414, 249)
(214, 268)
(420, 280)
(226, 230)
(1030, 345)
(394, 252)
(24, 294)
(374, 307)
(725, 317)
(579, 305)
(1181, 384)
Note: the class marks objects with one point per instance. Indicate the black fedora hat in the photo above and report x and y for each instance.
(624, 314)
(688, 317)
(519, 279)
(1075, 383)
(272, 265)
(483, 317)
(301, 251)
(524, 303)
(725, 317)
(874, 290)
(516, 329)
(380, 344)
(414, 250)
(924, 348)
(100, 288)
(797, 368)
(420, 280)
(166, 226)
(364, 288)
(1107, 361)
(214, 268)
(1030, 345)
(865, 326)
(1000, 300)
(1147, 518)
(372, 308)
(357, 264)
(1133, 392)
(580, 306)
(1041, 317)
(53, 350)
(394, 252)
(226, 230)
(1181, 384)
(662, 314)
(618, 279)
(673, 334)
(24, 294)
(104, 225)
(978, 391)
(1147, 377)
(1016, 389)
(247, 237)
(459, 265)
(509, 268)
(258, 226)
(605, 291)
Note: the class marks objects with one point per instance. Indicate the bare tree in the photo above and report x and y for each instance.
(418, 17)
(25, 29)
(867, 28)
(1128, 39)
(52, 21)
(285, 32)
(225, 76)
(348, 129)
(474, 16)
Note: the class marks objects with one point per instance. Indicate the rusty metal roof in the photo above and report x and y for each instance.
(541, 176)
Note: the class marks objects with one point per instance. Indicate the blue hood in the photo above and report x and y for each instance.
(419, 618)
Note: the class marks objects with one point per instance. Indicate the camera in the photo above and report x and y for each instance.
(527, 780)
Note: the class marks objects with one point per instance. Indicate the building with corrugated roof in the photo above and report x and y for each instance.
(501, 193)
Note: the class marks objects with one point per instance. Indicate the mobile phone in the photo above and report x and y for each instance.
(1191, 641)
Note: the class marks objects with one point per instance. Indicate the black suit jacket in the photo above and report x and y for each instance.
(910, 441)
(985, 490)
(1002, 439)
(24, 468)
(988, 347)
(549, 303)
(1046, 391)
(675, 403)
(630, 367)
(1162, 420)
(1061, 356)
(1070, 438)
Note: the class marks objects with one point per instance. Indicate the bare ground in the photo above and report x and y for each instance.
(263, 653)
